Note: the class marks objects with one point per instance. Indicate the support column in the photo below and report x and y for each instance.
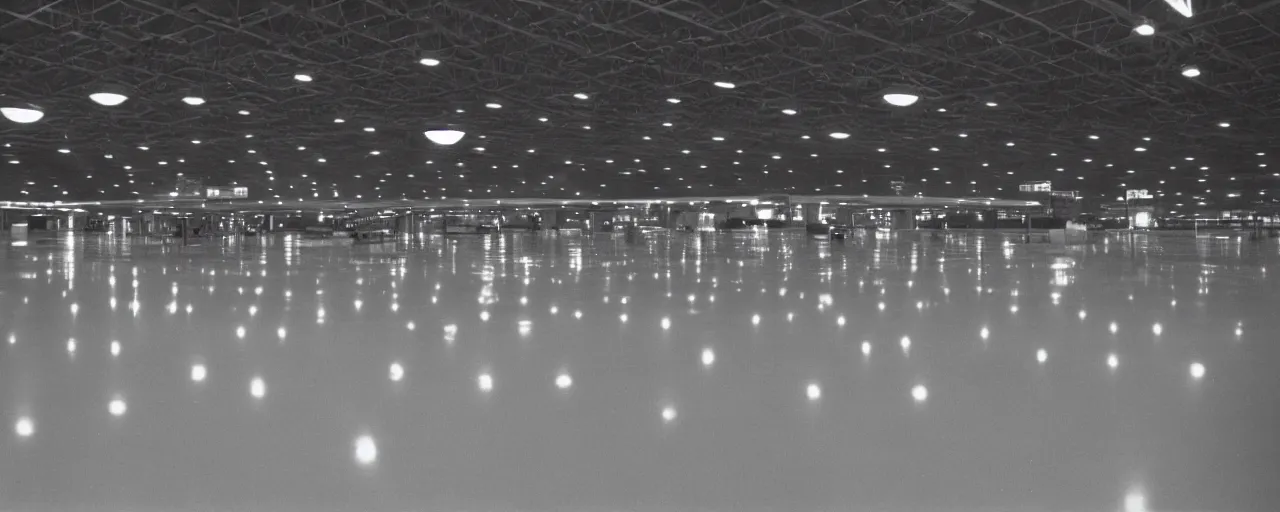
(812, 213)
(902, 219)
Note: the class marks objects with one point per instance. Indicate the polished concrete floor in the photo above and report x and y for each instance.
(712, 372)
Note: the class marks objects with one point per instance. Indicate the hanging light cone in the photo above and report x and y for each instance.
(444, 137)
(22, 114)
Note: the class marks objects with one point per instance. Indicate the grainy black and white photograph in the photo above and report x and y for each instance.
(639, 255)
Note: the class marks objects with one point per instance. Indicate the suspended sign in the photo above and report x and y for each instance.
(1136, 194)
(226, 192)
(1036, 186)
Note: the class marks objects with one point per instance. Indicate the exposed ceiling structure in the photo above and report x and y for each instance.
(307, 100)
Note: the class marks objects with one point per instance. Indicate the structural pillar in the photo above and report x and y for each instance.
(902, 219)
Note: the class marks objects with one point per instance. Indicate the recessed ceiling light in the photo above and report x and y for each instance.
(1191, 71)
(302, 148)
(243, 112)
(21, 115)
(1010, 144)
(1182, 6)
(370, 129)
(193, 100)
(673, 101)
(666, 124)
(1145, 29)
(1094, 137)
(725, 85)
(1139, 149)
(492, 105)
(992, 104)
(429, 62)
(1224, 124)
(789, 111)
(942, 110)
(834, 135)
(444, 137)
(64, 150)
(108, 99)
(195, 142)
(882, 150)
(718, 139)
(302, 77)
(581, 95)
(144, 148)
(339, 120)
(901, 99)
(963, 135)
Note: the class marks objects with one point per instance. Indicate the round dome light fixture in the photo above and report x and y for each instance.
(839, 135)
(444, 137)
(901, 99)
(302, 77)
(108, 99)
(194, 101)
(25, 114)
(1190, 71)
(1145, 29)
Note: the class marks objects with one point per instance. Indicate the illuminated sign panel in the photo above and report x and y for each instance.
(1137, 194)
(227, 192)
(1036, 186)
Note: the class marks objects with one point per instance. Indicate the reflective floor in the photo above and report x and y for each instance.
(711, 372)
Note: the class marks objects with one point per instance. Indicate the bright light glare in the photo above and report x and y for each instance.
(1145, 29)
(193, 100)
(725, 85)
(1182, 6)
(444, 137)
(366, 450)
(1197, 370)
(563, 381)
(108, 99)
(302, 77)
(813, 391)
(900, 99)
(1191, 71)
(24, 427)
(429, 62)
(21, 115)
(839, 135)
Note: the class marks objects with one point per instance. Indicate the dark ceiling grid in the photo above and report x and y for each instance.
(1056, 70)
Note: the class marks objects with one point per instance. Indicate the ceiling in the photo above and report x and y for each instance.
(1010, 92)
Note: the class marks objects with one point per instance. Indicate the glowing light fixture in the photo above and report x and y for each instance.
(444, 137)
(1182, 6)
(898, 99)
(1224, 124)
(673, 101)
(789, 111)
(493, 105)
(725, 85)
(429, 62)
(22, 115)
(581, 95)
(1145, 29)
(108, 99)
(1190, 71)
(839, 135)
(302, 77)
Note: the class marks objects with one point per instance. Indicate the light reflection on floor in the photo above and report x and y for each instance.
(740, 371)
